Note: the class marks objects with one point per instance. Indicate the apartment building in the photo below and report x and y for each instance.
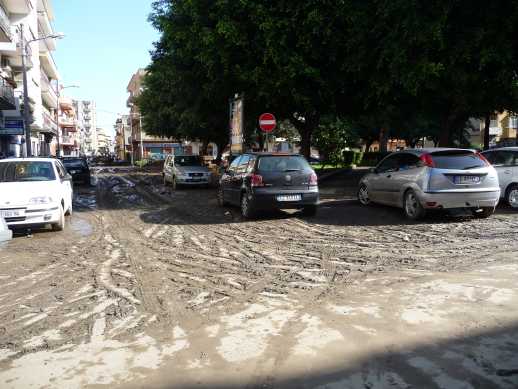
(104, 142)
(503, 130)
(26, 20)
(123, 138)
(87, 126)
(144, 146)
(70, 135)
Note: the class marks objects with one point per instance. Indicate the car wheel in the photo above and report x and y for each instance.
(60, 225)
(247, 209)
(310, 210)
(363, 195)
(412, 206)
(483, 213)
(70, 210)
(512, 196)
(221, 201)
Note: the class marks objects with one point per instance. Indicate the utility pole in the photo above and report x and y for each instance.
(131, 131)
(141, 141)
(26, 112)
(58, 130)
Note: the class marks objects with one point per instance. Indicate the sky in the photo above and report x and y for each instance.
(105, 43)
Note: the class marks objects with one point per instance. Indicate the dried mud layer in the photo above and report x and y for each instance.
(144, 277)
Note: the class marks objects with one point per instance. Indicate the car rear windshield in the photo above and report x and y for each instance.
(284, 163)
(187, 160)
(26, 171)
(457, 160)
(75, 163)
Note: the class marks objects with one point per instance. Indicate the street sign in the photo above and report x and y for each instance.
(267, 122)
(12, 126)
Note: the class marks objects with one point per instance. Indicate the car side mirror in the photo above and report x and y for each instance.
(67, 177)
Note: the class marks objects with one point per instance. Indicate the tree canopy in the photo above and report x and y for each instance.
(414, 68)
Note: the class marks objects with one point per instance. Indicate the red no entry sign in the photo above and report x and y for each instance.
(267, 122)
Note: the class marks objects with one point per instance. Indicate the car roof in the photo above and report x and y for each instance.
(431, 150)
(33, 159)
(272, 154)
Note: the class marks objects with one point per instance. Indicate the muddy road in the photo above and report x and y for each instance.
(152, 288)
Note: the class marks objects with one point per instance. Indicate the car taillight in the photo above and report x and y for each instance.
(481, 156)
(427, 160)
(256, 180)
(313, 179)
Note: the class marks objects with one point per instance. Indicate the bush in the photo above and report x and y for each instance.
(372, 158)
(352, 157)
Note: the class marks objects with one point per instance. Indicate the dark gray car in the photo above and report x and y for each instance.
(427, 179)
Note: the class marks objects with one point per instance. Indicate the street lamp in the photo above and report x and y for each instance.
(26, 112)
(58, 94)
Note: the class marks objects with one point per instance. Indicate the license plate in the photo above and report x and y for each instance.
(11, 213)
(289, 198)
(466, 180)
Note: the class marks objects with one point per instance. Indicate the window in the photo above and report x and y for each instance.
(283, 164)
(235, 163)
(243, 164)
(408, 161)
(457, 160)
(187, 160)
(61, 170)
(26, 171)
(513, 121)
(501, 158)
(389, 164)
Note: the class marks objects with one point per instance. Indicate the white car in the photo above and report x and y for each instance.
(505, 161)
(185, 170)
(35, 192)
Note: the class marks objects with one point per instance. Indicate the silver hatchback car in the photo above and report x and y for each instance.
(431, 179)
(505, 161)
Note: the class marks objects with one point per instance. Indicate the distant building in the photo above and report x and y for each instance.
(122, 144)
(87, 123)
(104, 142)
(70, 135)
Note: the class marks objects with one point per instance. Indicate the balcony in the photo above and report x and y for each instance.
(7, 99)
(49, 65)
(48, 93)
(66, 103)
(49, 123)
(69, 123)
(5, 26)
(18, 6)
(67, 140)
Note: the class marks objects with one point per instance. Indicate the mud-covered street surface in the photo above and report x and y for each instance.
(152, 288)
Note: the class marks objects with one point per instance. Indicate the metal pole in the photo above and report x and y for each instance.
(141, 141)
(58, 131)
(131, 131)
(26, 112)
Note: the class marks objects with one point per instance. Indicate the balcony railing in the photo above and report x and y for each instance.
(5, 24)
(66, 103)
(67, 140)
(49, 122)
(69, 123)
(7, 99)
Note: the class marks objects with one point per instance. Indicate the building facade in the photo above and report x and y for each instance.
(104, 142)
(70, 135)
(87, 126)
(144, 146)
(123, 144)
(24, 21)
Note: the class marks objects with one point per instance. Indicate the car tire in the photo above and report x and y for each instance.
(363, 195)
(412, 206)
(60, 225)
(247, 207)
(70, 210)
(483, 213)
(511, 196)
(221, 201)
(310, 210)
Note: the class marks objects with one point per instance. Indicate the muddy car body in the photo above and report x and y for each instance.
(34, 192)
(185, 170)
(505, 161)
(266, 181)
(428, 179)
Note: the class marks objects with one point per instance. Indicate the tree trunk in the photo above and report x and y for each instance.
(305, 142)
(487, 124)
(383, 140)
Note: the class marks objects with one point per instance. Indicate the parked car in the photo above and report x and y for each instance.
(268, 181)
(185, 170)
(35, 192)
(78, 168)
(505, 161)
(430, 179)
